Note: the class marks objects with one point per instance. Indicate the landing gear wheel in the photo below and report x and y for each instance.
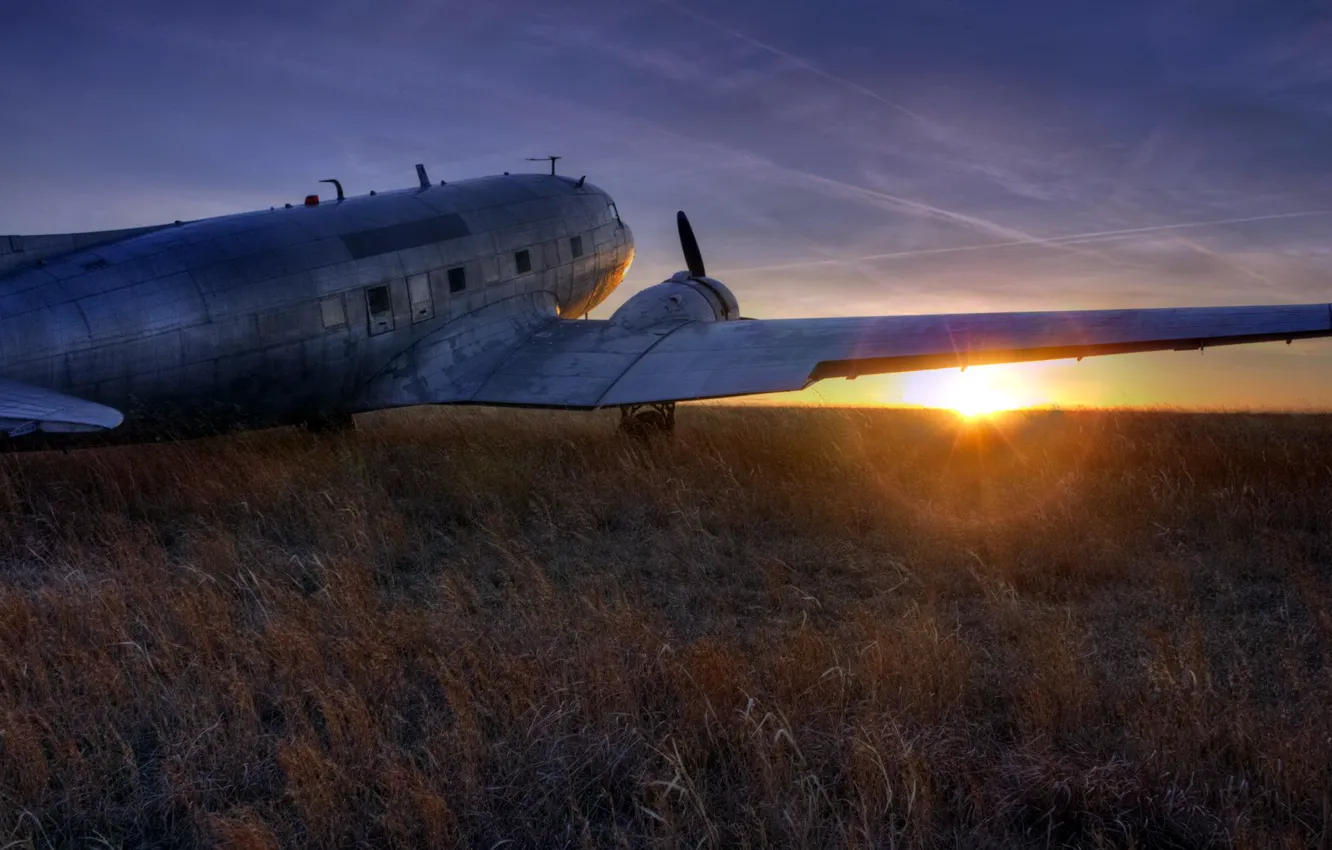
(645, 420)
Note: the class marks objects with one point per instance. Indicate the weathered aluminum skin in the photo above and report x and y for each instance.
(263, 318)
(421, 297)
(17, 251)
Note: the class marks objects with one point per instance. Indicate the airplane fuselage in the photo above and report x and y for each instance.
(287, 315)
(460, 294)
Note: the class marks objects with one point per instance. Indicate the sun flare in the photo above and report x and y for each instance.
(975, 392)
(982, 402)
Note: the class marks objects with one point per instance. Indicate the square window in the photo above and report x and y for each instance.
(523, 260)
(377, 300)
(457, 279)
(418, 293)
(576, 245)
(332, 312)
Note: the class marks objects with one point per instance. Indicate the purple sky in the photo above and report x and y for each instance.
(832, 156)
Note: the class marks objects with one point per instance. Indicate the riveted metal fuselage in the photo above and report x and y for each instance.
(279, 316)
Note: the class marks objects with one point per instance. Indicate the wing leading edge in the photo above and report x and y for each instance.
(585, 364)
(25, 409)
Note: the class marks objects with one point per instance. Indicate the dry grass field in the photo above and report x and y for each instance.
(788, 628)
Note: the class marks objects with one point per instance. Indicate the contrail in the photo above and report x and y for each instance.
(933, 130)
(1071, 239)
(1226, 261)
(802, 63)
(937, 133)
(900, 202)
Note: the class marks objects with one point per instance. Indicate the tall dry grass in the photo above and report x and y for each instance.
(779, 628)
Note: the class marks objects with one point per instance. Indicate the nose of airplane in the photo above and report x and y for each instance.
(628, 235)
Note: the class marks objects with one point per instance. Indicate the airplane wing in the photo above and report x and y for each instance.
(589, 364)
(25, 409)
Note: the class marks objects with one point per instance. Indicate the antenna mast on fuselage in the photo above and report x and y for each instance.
(543, 159)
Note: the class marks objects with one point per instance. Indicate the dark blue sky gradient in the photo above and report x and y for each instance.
(829, 153)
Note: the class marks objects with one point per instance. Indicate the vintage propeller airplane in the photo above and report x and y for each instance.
(462, 293)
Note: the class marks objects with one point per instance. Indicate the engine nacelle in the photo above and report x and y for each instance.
(680, 299)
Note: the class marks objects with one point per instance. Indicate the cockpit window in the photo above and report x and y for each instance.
(523, 260)
(576, 246)
(613, 211)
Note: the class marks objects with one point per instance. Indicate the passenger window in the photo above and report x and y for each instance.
(377, 299)
(380, 308)
(332, 312)
(523, 260)
(418, 291)
(457, 279)
(576, 246)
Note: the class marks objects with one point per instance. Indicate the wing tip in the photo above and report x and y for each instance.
(90, 417)
(25, 409)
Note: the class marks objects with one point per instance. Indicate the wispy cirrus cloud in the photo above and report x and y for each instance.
(803, 137)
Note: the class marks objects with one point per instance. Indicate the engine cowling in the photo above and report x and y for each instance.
(682, 298)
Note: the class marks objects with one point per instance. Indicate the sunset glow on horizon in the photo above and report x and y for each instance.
(975, 391)
(1293, 378)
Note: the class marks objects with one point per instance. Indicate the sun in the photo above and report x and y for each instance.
(982, 401)
(973, 393)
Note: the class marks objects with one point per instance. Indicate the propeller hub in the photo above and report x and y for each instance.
(728, 307)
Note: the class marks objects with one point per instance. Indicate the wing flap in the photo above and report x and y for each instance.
(567, 364)
(25, 409)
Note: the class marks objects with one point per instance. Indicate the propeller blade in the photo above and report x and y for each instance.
(693, 256)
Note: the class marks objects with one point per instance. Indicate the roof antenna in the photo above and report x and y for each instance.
(338, 186)
(543, 159)
(421, 176)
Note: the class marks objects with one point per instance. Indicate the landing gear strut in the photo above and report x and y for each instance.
(644, 420)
